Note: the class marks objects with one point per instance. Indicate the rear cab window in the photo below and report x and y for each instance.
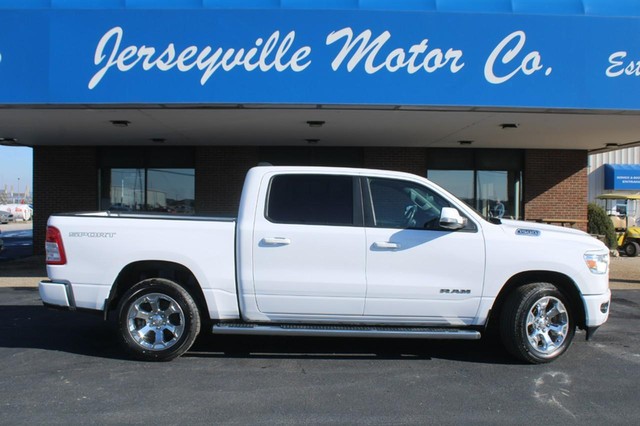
(314, 199)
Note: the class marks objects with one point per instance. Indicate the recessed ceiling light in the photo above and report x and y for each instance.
(315, 123)
(612, 145)
(120, 123)
(9, 141)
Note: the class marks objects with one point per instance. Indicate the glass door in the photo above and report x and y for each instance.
(493, 193)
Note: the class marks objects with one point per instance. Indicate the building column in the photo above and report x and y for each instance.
(220, 173)
(410, 160)
(65, 179)
(556, 185)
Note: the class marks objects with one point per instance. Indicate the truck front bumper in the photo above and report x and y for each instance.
(597, 309)
(57, 294)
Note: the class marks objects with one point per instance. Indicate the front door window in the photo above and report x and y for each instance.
(399, 204)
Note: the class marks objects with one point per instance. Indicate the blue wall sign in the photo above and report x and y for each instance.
(319, 57)
(622, 176)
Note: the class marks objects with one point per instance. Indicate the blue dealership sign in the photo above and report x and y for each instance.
(336, 57)
(622, 176)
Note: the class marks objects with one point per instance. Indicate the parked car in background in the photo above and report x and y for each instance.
(19, 211)
(5, 217)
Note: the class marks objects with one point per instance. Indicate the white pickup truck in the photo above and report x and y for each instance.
(330, 252)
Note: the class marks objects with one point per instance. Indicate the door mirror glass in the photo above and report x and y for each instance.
(450, 218)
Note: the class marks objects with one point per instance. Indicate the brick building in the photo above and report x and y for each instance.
(139, 105)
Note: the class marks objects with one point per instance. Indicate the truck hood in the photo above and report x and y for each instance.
(520, 227)
(558, 234)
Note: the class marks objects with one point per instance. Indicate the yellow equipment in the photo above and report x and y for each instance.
(628, 236)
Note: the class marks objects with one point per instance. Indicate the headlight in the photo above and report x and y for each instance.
(597, 262)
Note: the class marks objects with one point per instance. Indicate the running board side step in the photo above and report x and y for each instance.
(345, 331)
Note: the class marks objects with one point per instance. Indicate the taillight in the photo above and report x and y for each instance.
(54, 247)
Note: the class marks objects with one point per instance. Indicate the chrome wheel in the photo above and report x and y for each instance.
(155, 321)
(547, 325)
(537, 322)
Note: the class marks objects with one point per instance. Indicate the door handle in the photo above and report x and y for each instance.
(386, 245)
(276, 241)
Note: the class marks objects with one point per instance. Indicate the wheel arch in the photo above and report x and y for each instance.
(564, 283)
(138, 271)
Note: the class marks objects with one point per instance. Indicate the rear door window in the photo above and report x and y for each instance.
(312, 200)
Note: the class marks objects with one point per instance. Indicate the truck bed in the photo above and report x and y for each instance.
(123, 239)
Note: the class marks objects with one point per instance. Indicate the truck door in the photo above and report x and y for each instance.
(415, 269)
(309, 247)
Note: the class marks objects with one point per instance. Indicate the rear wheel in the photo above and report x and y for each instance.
(158, 320)
(536, 323)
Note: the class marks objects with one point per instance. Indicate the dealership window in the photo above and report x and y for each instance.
(139, 179)
(488, 180)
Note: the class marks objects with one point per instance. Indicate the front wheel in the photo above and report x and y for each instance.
(536, 323)
(631, 249)
(158, 320)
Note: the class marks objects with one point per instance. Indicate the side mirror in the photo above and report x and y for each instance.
(450, 219)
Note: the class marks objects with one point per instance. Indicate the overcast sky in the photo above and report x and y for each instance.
(16, 162)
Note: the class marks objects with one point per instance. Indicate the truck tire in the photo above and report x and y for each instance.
(631, 249)
(536, 323)
(158, 320)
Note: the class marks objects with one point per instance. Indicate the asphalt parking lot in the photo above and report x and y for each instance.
(60, 367)
(67, 368)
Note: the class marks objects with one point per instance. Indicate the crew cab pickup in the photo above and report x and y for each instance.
(330, 252)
